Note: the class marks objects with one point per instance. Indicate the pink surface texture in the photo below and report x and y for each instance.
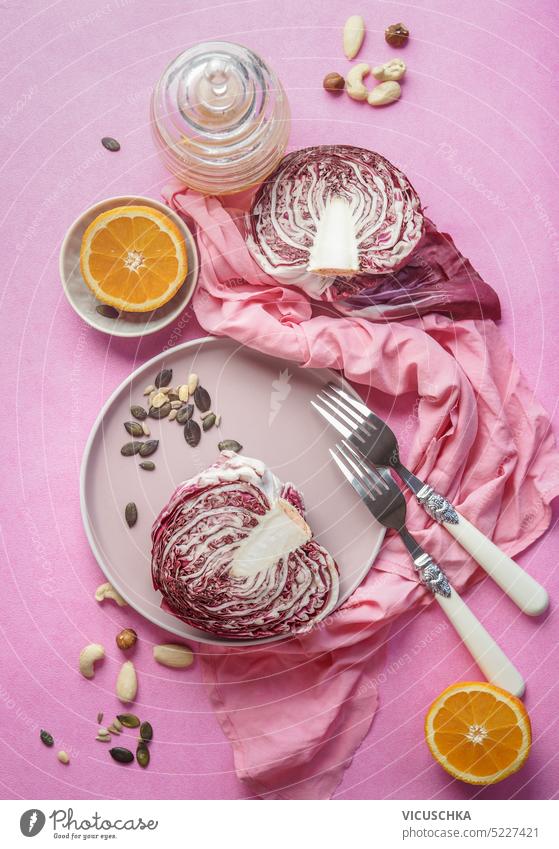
(476, 133)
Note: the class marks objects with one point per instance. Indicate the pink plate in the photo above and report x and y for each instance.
(264, 404)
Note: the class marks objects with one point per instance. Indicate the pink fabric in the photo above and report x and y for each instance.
(296, 713)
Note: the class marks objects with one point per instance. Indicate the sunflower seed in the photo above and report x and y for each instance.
(117, 723)
(138, 412)
(160, 412)
(131, 514)
(217, 421)
(148, 448)
(208, 422)
(146, 430)
(159, 399)
(106, 739)
(206, 414)
(172, 415)
(130, 449)
(202, 399)
(134, 428)
(148, 466)
(146, 731)
(149, 389)
(163, 378)
(176, 405)
(47, 738)
(230, 445)
(123, 756)
(183, 392)
(192, 383)
(192, 433)
(103, 732)
(113, 729)
(142, 755)
(185, 413)
(129, 720)
(99, 718)
(107, 311)
(110, 144)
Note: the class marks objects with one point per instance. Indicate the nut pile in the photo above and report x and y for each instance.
(388, 74)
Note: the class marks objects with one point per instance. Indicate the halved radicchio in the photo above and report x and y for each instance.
(333, 212)
(233, 555)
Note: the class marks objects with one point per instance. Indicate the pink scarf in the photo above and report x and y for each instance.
(296, 713)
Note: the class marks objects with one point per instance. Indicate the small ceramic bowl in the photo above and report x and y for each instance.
(84, 302)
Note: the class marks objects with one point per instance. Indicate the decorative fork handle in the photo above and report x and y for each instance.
(526, 592)
(488, 655)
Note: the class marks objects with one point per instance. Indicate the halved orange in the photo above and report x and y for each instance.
(478, 733)
(133, 258)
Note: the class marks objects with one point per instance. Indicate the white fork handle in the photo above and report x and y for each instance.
(490, 658)
(526, 593)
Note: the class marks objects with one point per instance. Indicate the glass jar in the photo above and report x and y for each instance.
(220, 118)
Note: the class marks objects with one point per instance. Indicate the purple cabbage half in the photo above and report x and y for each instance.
(233, 555)
(332, 213)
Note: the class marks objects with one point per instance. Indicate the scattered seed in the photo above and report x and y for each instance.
(142, 755)
(134, 428)
(149, 447)
(148, 466)
(146, 731)
(183, 392)
(163, 378)
(172, 415)
(160, 412)
(106, 739)
(145, 428)
(123, 756)
(130, 449)
(110, 144)
(230, 445)
(149, 389)
(192, 433)
(131, 514)
(192, 383)
(117, 724)
(185, 413)
(129, 720)
(99, 718)
(209, 421)
(202, 399)
(217, 421)
(47, 738)
(107, 311)
(138, 412)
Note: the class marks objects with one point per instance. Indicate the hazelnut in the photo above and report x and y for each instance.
(126, 639)
(333, 82)
(396, 35)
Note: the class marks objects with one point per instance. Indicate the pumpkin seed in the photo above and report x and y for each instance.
(47, 738)
(230, 445)
(173, 397)
(130, 449)
(123, 756)
(107, 311)
(149, 389)
(163, 378)
(131, 514)
(142, 755)
(134, 428)
(110, 144)
(129, 720)
(209, 421)
(192, 433)
(148, 448)
(160, 412)
(148, 466)
(185, 413)
(202, 399)
(138, 412)
(146, 731)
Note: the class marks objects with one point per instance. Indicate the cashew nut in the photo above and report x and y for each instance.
(390, 71)
(108, 591)
(173, 655)
(127, 682)
(354, 81)
(88, 657)
(384, 93)
(354, 33)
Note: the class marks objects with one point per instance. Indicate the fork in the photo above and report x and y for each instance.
(377, 442)
(385, 500)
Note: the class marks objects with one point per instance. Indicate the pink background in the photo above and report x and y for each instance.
(475, 130)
